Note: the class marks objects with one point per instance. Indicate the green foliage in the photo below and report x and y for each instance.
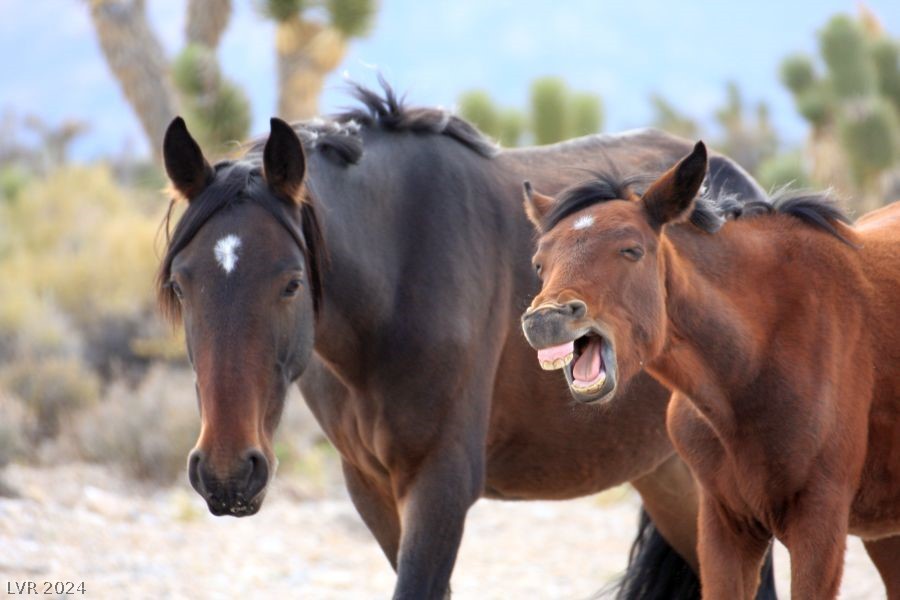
(13, 180)
(886, 57)
(854, 106)
(195, 70)
(816, 104)
(77, 261)
(52, 390)
(869, 134)
(844, 49)
(668, 118)
(549, 99)
(586, 114)
(282, 10)
(732, 113)
(512, 127)
(226, 118)
(782, 170)
(217, 111)
(353, 18)
(477, 107)
(555, 114)
(798, 73)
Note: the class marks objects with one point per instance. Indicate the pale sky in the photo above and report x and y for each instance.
(434, 50)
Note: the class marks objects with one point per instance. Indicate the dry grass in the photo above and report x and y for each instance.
(145, 431)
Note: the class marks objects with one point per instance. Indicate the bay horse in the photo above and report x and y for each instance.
(778, 333)
(338, 253)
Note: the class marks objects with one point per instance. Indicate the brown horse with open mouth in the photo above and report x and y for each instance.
(779, 335)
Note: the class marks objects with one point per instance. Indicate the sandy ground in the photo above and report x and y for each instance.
(82, 523)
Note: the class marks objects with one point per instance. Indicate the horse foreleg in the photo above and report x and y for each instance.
(885, 553)
(730, 558)
(375, 504)
(432, 511)
(816, 538)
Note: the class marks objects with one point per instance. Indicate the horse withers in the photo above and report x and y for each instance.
(339, 253)
(778, 332)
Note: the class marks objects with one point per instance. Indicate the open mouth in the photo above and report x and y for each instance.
(588, 363)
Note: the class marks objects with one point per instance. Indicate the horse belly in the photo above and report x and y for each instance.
(541, 445)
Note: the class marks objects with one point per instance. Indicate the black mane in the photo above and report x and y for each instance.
(818, 209)
(604, 188)
(339, 137)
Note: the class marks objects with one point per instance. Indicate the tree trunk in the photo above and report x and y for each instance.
(137, 61)
(307, 52)
(206, 21)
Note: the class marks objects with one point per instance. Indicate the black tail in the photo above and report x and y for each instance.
(656, 572)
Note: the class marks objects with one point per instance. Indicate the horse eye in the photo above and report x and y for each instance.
(538, 267)
(176, 289)
(634, 253)
(292, 288)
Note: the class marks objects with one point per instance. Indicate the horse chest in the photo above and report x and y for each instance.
(733, 479)
(694, 438)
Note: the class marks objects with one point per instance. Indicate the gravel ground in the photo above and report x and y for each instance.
(82, 523)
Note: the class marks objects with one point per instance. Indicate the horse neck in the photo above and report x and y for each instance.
(724, 300)
(384, 219)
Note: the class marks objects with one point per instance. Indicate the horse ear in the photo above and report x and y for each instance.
(671, 197)
(284, 163)
(537, 205)
(185, 164)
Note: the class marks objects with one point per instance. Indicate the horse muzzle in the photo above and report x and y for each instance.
(239, 492)
(550, 324)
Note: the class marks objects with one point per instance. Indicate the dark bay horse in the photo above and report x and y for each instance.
(339, 253)
(779, 335)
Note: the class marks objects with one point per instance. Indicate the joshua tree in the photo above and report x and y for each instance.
(138, 62)
(191, 84)
(309, 49)
(852, 105)
(555, 114)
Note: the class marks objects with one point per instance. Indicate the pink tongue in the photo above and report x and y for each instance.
(587, 368)
(555, 352)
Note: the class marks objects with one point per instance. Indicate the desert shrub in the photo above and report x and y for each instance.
(51, 390)
(77, 260)
(146, 431)
(15, 425)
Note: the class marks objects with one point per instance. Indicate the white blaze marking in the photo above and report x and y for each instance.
(583, 222)
(226, 252)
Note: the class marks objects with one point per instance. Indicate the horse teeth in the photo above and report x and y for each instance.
(590, 389)
(557, 363)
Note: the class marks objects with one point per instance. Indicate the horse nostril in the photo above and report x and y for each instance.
(576, 308)
(259, 472)
(195, 461)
